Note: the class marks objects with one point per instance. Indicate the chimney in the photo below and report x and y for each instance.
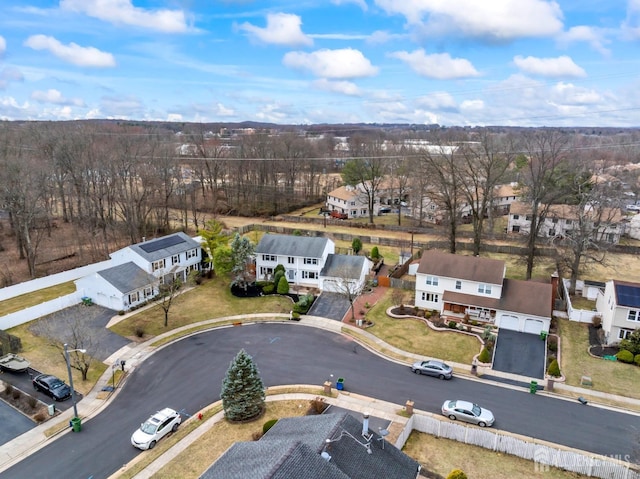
(365, 424)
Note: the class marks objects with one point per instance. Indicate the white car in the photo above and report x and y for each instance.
(155, 428)
(468, 412)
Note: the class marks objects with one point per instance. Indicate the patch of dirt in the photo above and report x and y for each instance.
(24, 403)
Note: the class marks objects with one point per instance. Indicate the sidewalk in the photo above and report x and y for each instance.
(134, 354)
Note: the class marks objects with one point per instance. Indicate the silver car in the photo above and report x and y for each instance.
(155, 428)
(468, 412)
(434, 368)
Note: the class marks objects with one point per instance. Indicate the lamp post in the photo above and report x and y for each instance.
(73, 392)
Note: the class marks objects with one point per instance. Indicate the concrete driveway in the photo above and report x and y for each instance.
(330, 305)
(520, 353)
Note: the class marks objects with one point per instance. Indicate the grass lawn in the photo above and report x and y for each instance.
(23, 301)
(609, 376)
(415, 336)
(212, 299)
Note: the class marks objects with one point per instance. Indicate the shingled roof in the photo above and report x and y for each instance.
(127, 277)
(159, 248)
(470, 268)
(343, 266)
(289, 245)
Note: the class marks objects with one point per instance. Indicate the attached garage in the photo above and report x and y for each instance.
(511, 322)
(533, 326)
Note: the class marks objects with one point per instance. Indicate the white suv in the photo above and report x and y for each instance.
(155, 428)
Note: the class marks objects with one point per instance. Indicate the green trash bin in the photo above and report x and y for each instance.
(543, 335)
(76, 424)
(533, 387)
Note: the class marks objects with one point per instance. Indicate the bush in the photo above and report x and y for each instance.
(317, 405)
(256, 436)
(268, 425)
(457, 474)
(139, 331)
(625, 356)
(596, 321)
(279, 267)
(40, 417)
(283, 285)
(356, 245)
(637, 359)
(375, 253)
(453, 325)
(554, 369)
(16, 394)
(32, 402)
(268, 288)
(485, 356)
(8, 389)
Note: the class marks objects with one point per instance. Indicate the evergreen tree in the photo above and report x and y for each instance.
(283, 285)
(243, 396)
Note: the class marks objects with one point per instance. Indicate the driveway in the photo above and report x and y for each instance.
(330, 305)
(13, 423)
(520, 353)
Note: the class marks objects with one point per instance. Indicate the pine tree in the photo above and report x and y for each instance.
(243, 396)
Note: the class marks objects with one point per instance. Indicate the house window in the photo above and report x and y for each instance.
(516, 217)
(458, 284)
(134, 297)
(484, 288)
(290, 260)
(528, 217)
(552, 232)
(266, 271)
(431, 297)
(148, 292)
(624, 333)
(568, 222)
(175, 259)
(634, 315)
(192, 253)
(311, 261)
(309, 275)
(554, 221)
(268, 257)
(432, 280)
(515, 229)
(156, 265)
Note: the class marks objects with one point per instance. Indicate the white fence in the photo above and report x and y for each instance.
(39, 310)
(581, 315)
(543, 454)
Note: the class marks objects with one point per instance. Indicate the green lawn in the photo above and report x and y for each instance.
(23, 301)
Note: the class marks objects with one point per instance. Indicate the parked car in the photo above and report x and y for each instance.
(433, 367)
(468, 412)
(340, 216)
(52, 386)
(155, 428)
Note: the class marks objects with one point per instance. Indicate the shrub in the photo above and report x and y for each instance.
(256, 436)
(295, 316)
(40, 417)
(474, 322)
(268, 288)
(16, 394)
(8, 389)
(283, 285)
(121, 312)
(276, 277)
(32, 402)
(356, 245)
(637, 359)
(279, 267)
(453, 325)
(317, 405)
(375, 253)
(552, 343)
(596, 321)
(554, 369)
(427, 314)
(457, 474)
(485, 356)
(268, 425)
(632, 343)
(625, 356)
(139, 331)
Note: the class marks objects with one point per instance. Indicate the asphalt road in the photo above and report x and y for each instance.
(188, 375)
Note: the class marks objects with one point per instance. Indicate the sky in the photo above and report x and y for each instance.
(450, 62)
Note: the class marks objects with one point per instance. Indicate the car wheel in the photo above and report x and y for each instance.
(481, 424)
(175, 427)
(152, 444)
(417, 371)
(452, 417)
(441, 376)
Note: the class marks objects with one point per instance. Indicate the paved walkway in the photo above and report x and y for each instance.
(95, 401)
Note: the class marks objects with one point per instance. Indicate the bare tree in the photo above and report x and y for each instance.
(167, 292)
(346, 286)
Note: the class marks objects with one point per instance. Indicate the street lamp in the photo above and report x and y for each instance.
(73, 392)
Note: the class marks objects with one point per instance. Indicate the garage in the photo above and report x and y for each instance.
(510, 322)
(533, 326)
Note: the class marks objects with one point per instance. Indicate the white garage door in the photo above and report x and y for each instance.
(510, 322)
(533, 326)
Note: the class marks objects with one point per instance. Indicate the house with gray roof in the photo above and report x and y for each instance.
(459, 285)
(328, 446)
(343, 272)
(120, 287)
(303, 258)
(619, 307)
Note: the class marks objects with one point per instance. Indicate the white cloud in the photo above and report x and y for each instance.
(344, 87)
(222, 110)
(9, 74)
(594, 37)
(122, 12)
(562, 66)
(569, 94)
(72, 53)
(438, 65)
(496, 19)
(174, 117)
(441, 100)
(55, 97)
(361, 3)
(631, 24)
(335, 64)
(3, 45)
(281, 29)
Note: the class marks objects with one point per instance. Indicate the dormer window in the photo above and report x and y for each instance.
(484, 288)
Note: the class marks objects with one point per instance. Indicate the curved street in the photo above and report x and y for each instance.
(187, 375)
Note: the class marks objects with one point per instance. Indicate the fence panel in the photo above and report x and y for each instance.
(39, 310)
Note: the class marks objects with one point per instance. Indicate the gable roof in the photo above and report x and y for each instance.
(528, 297)
(343, 193)
(627, 293)
(343, 266)
(164, 247)
(293, 448)
(289, 245)
(470, 268)
(127, 277)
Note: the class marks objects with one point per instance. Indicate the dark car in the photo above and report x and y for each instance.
(52, 386)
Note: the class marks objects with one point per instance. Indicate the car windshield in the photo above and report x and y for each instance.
(148, 428)
(476, 410)
(55, 384)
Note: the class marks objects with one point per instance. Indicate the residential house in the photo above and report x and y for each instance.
(327, 446)
(354, 202)
(619, 306)
(120, 287)
(167, 258)
(344, 273)
(606, 224)
(303, 258)
(503, 197)
(458, 285)
(348, 200)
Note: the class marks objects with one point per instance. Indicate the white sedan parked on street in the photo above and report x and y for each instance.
(155, 428)
(468, 412)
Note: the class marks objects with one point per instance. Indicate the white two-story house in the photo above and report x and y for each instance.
(456, 285)
(619, 306)
(303, 258)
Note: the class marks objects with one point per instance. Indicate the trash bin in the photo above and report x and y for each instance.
(76, 424)
(51, 408)
(543, 335)
(533, 387)
(340, 384)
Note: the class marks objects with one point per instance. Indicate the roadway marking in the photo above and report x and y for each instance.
(273, 340)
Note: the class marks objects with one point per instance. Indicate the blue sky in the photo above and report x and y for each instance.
(452, 62)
